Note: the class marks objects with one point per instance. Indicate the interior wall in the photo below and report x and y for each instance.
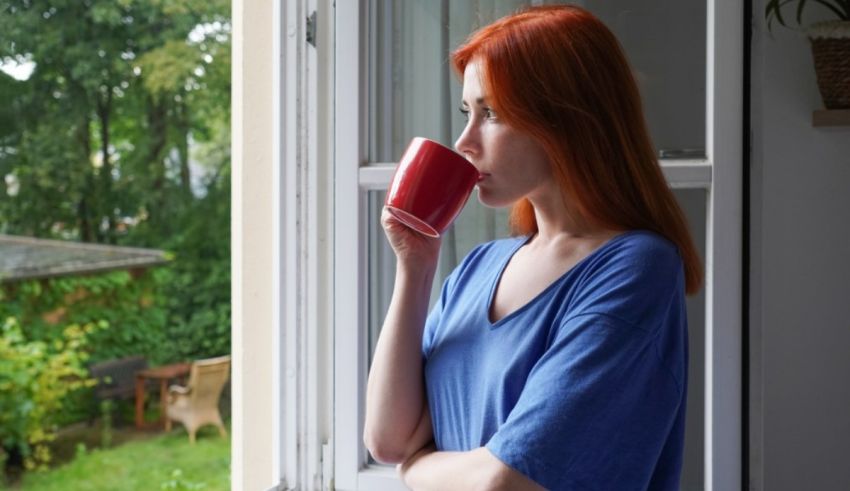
(800, 265)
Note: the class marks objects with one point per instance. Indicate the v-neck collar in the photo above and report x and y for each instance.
(521, 242)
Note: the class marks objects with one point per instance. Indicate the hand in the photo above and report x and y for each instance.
(411, 248)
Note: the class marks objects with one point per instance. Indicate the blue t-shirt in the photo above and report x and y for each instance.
(581, 388)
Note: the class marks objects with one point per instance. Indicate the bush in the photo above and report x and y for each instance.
(195, 286)
(132, 306)
(35, 378)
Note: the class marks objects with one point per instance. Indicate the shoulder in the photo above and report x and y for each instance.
(634, 276)
(637, 256)
(640, 246)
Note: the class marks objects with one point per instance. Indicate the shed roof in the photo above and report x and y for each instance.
(24, 258)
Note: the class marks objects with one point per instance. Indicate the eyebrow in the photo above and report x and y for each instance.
(481, 101)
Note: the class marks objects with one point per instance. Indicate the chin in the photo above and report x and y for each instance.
(490, 200)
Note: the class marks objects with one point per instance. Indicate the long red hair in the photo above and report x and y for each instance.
(558, 74)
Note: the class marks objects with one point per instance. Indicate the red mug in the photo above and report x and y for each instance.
(430, 187)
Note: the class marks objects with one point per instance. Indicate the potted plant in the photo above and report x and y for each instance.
(830, 46)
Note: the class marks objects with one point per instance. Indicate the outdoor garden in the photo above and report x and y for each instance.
(115, 134)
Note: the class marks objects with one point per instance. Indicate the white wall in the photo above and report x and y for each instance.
(800, 273)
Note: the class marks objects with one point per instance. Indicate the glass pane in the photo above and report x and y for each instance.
(694, 202)
(475, 225)
(412, 88)
(381, 264)
(665, 41)
(478, 224)
(413, 91)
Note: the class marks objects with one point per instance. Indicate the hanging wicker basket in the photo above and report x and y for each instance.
(831, 50)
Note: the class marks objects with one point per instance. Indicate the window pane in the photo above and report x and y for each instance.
(475, 225)
(694, 202)
(665, 41)
(478, 224)
(381, 264)
(413, 91)
(412, 88)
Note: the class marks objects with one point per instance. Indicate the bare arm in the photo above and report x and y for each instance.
(468, 471)
(397, 419)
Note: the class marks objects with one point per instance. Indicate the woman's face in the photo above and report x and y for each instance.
(512, 164)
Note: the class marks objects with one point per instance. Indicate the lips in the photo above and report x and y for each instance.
(483, 175)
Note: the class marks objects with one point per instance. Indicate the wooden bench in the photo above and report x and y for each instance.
(116, 379)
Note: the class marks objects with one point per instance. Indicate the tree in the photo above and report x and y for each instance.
(129, 99)
(119, 89)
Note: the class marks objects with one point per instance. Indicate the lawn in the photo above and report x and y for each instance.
(148, 462)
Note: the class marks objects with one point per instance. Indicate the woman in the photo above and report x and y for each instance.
(556, 358)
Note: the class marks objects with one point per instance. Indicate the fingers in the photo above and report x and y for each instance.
(388, 219)
(393, 225)
(409, 245)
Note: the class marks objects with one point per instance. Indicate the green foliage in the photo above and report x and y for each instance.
(98, 142)
(98, 138)
(35, 378)
(96, 146)
(197, 285)
(773, 10)
(144, 465)
(107, 408)
(178, 483)
(132, 307)
(176, 312)
(80, 450)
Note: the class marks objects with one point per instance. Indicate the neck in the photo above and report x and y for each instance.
(558, 218)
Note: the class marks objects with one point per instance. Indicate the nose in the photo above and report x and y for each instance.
(468, 143)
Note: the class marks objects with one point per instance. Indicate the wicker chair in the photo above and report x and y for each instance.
(196, 405)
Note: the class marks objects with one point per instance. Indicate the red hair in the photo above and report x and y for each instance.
(559, 75)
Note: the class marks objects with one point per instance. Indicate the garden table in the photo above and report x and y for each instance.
(163, 374)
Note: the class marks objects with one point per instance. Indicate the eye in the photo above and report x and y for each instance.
(489, 113)
(465, 112)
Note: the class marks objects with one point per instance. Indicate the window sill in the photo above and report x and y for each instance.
(831, 117)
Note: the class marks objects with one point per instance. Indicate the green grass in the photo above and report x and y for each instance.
(162, 462)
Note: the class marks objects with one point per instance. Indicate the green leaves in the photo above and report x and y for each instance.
(170, 68)
(96, 146)
(773, 10)
(109, 13)
(113, 78)
(35, 379)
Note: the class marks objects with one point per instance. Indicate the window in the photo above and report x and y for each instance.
(393, 83)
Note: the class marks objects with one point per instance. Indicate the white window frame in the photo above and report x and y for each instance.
(720, 174)
(302, 269)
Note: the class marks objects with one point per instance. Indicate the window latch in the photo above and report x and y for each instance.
(311, 29)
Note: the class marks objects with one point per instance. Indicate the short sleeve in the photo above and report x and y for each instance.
(461, 272)
(596, 409)
(433, 320)
(434, 316)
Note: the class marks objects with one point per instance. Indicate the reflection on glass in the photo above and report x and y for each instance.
(413, 91)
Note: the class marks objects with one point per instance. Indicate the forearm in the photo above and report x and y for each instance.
(444, 471)
(463, 471)
(395, 394)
